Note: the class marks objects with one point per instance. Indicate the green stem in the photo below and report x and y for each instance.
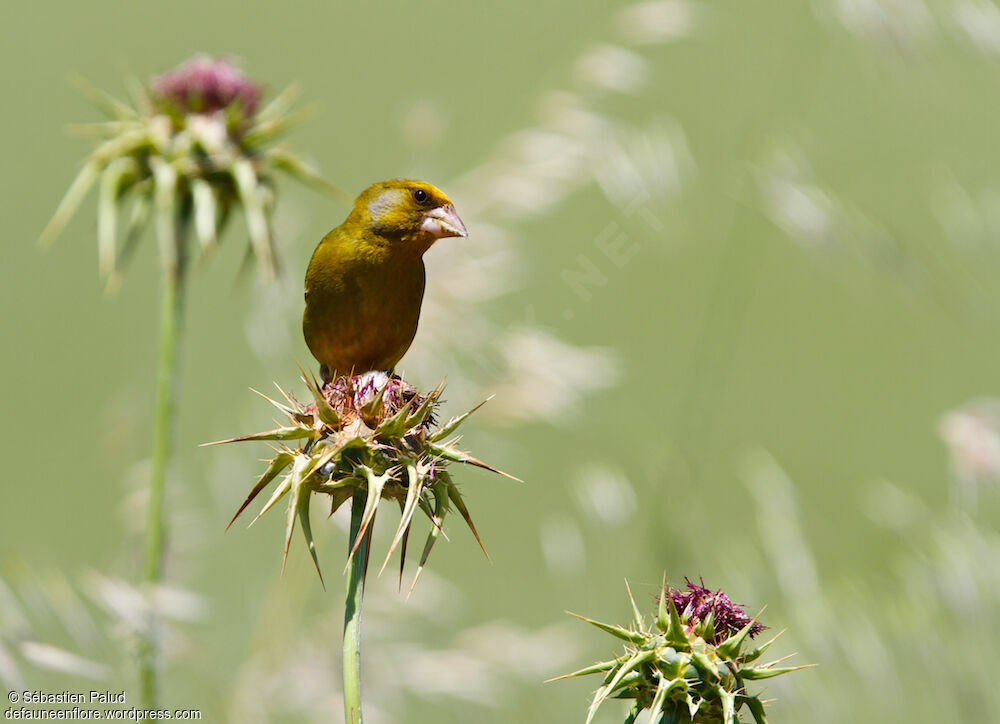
(171, 318)
(352, 611)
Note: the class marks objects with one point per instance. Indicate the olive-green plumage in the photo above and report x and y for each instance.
(365, 281)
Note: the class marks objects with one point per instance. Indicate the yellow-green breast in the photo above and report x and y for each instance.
(362, 303)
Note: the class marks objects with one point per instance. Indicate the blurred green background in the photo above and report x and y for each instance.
(731, 274)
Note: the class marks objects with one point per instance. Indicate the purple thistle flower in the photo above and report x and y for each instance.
(206, 85)
(697, 602)
(349, 395)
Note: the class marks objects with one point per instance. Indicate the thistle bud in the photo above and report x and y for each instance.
(371, 432)
(205, 85)
(690, 664)
(191, 149)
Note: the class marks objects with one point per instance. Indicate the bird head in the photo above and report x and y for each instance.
(412, 212)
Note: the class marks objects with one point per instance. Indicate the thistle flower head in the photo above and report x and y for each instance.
(699, 606)
(690, 664)
(205, 85)
(190, 149)
(374, 433)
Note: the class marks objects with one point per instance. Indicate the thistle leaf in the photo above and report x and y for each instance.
(769, 670)
(296, 432)
(302, 510)
(293, 413)
(450, 453)
(409, 506)
(635, 609)
(280, 104)
(693, 706)
(627, 685)
(288, 398)
(253, 208)
(456, 498)
(302, 171)
(702, 662)
(440, 510)
(706, 627)
(164, 198)
(268, 130)
(633, 637)
(71, 200)
(298, 492)
(137, 94)
(656, 706)
(402, 551)
(134, 226)
(756, 709)
(339, 496)
(331, 488)
(205, 213)
(395, 426)
(421, 413)
(372, 409)
(278, 463)
(107, 212)
(637, 659)
(328, 452)
(728, 705)
(99, 129)
(279, 493)
(427, 506)
(674, 631)
(662, 616)
(598, 668)
(375, 485)
(449, 427)
(633, 713)
(756, 653)
(127, 143)
(104, 101)
(730, 648)
(324, 410)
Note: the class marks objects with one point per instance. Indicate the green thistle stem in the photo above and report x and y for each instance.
(171, 318)
(352, 611)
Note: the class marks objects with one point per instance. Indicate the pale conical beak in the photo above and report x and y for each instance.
(443, 221)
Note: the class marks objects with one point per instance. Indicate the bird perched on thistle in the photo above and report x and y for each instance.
(365, 281)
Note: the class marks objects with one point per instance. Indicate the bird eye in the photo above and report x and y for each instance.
(420, 196)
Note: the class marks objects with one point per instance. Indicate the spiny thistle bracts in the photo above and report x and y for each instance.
(369, 432)
(190, 149)
(690, 665)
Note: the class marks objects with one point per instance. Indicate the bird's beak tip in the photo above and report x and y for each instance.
(443, 222)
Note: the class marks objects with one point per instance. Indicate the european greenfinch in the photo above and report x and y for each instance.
(365, 281)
